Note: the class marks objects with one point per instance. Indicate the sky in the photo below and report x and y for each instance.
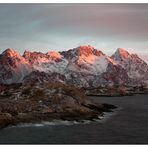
(44, 27)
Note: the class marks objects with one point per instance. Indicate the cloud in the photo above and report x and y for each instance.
(64, 26)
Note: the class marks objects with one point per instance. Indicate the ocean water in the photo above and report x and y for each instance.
(126, 125)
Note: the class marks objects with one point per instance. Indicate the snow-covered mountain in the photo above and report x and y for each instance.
(13, 67)
(136, 68)
(49, 62)
(83, 66)
(86, 59)
(89, 67)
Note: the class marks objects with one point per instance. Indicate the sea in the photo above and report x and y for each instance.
(128, 124)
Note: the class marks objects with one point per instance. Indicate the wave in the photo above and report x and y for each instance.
(100, 119)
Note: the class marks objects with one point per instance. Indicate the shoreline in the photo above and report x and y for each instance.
(54, 122)
(47, 101)
(118, 95)
(78, 116)
(34, 118)
(37, 117)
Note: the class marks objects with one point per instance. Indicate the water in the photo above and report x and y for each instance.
(127, 125)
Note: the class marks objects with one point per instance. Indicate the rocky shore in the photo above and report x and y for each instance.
(46, 102)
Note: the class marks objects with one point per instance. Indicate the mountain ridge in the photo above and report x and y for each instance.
(83, 66)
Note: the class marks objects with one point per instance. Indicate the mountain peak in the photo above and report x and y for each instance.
(85, 49)
(54, 54)
(122, 52)
(26, 52)
(9, 52)
(88, 50)
(33, 55)
(82, 66)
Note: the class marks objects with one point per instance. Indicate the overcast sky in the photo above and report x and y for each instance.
(43, 27)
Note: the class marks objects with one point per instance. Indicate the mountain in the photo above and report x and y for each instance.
(83, 66)
(135, 67)
(49, 62)
(89, 67)
(13, 67)
(86, 59)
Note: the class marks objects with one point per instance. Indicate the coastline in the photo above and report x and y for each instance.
(117, 95)
(6, 119)
(48, 102)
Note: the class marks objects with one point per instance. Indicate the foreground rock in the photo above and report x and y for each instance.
(34, 103)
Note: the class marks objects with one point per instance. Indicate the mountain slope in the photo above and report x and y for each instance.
(49, 62)
(135, 67)
(83, 66)
(86, 59)
(13, 67)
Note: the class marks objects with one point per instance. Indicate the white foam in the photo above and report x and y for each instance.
(100, 119)
(30, 124)
(107, 115)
